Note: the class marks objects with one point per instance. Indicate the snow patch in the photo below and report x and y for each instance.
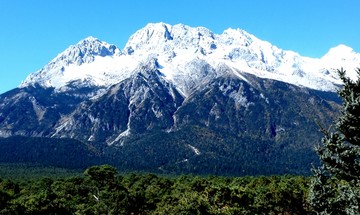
(157, 112)
(120, 136)
(91, 138)
(265, 98)
(195, 150)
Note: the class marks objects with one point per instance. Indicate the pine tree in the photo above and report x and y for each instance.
(335, 188)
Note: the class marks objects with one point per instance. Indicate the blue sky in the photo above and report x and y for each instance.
(33, 32)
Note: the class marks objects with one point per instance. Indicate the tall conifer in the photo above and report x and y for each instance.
(335, 188)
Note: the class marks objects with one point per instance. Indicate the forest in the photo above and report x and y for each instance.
(102, 190)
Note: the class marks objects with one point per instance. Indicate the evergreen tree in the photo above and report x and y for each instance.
(335, 188)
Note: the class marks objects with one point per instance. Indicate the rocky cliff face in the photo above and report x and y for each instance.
(139, 104)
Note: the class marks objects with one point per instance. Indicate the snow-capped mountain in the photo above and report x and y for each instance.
(199, 95)
(176, 47)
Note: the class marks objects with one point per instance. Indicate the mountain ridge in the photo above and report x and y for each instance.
(175, 46)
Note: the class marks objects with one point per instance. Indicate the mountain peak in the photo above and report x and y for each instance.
(90, 39)
(342, 47)
(57, 72)
(340, 52)
(85, 51)
(150, 36)
(165, 38)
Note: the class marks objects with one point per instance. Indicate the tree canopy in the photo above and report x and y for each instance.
(102, 191)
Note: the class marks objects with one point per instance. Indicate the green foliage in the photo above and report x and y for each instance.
(102, 175)
(335, 188)
(103, 191)
(28, 171)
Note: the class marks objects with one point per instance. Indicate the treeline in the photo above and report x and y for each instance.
(65, 153)
(101, 190)
(165, 153)
(28, 171)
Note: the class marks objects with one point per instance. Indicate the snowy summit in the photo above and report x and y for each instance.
(187, 55)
